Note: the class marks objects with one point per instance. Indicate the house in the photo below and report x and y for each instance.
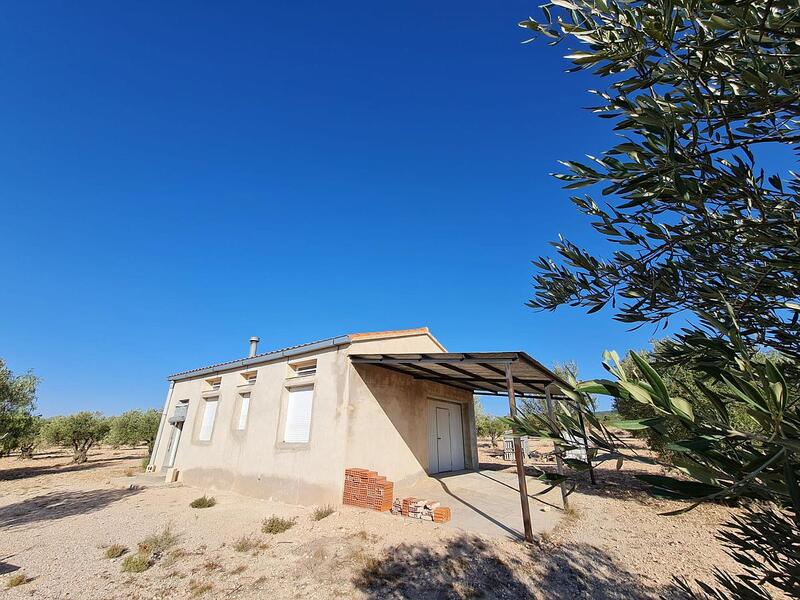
(286, 424)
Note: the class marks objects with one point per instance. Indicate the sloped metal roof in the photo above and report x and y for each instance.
(479, 372)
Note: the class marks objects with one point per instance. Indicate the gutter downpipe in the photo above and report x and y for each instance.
(151, 465)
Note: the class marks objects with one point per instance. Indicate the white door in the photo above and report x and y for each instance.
(444, 456)
(446, 443)
(172, 449)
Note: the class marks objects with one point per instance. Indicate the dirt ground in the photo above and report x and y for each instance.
(58, 519)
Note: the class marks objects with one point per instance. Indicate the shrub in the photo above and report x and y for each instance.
(15, 580)
(136, 563)
(320, 512)
(158, 543)
(115, 551)
(275, 524)
(245, 544)
(203, 502)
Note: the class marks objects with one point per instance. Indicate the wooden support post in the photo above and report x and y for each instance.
(523, 484)
(559, 463)
(586, 447)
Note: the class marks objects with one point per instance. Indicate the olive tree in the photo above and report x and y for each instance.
(79, 431)
(135, 427)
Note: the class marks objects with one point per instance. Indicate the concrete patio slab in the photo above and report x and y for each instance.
(486, 502)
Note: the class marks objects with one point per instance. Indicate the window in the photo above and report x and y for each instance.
(209, 415)
(298, 416)
(305, 369)
(214, 383)
(244, 410)
(249, 377)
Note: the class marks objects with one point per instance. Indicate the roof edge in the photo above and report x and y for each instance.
(262, 358)
(395, 333)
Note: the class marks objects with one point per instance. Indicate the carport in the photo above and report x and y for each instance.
(511, 374)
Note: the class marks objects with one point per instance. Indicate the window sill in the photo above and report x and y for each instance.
(298, 381)
(210, 393)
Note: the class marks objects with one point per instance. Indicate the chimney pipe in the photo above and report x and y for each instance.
(253, 346)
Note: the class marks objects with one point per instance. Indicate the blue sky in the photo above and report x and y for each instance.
(176, 177)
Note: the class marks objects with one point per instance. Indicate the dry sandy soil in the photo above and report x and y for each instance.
(56, 520)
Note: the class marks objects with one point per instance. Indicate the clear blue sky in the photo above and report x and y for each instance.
(176, 177)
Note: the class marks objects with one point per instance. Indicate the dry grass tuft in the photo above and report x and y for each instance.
(198, 589)
(571, 514)
(173, 557)
(320, 512)
(275, 525)
(245, 543)
(238, 570)
(115, 551)
(158, 543)
(212, 565)
(15, 580)
(137, 563)
(203, 502)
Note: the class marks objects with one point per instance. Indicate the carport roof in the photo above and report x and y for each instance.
(479, 372)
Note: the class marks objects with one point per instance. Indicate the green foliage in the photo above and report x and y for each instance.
(679, 380)
(203, 502)
(135, 427)
(17, 402)
(491, 427)
(21, 433)
(694, 89)
(275, 525)
(137, 563)
(719, 460)
(699, 227)
(80, 431)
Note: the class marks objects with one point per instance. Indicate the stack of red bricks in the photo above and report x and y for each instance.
(421, 509)
(367, 489)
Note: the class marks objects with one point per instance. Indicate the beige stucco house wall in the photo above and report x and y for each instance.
(361, 416)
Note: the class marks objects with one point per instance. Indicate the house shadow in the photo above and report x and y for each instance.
(60, 504)
(470, 567)
(33, 471)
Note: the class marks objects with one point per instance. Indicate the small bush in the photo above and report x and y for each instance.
(137, 563)
(173, 557)
(158, 543)
(276, 524)
(15, 580)
(245, 544)
(321, 512)
(203, 502)
(198, 589)
(115, 551)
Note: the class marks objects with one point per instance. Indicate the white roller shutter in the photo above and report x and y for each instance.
(209, 414)
(298, 416)
(244, 410)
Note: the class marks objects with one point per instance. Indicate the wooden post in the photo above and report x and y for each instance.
(523, 484)
(559, 462)
(586, 446)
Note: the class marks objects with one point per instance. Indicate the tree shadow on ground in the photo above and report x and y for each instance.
(59, 504)
(470, 567)
(466, 568)
(33, 471)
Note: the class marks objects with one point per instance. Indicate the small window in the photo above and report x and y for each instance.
(249, 377)
(298, 416)
(305, 369)
(215, 383)
(209, 416)
(244, 410)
